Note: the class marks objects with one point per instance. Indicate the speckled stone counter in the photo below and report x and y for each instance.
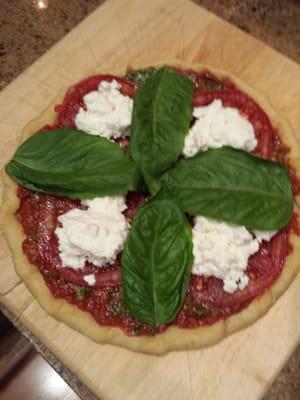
(30, 27)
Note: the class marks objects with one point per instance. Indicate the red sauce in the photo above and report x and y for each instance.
(206, 301)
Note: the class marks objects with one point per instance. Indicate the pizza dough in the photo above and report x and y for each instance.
(174, 338)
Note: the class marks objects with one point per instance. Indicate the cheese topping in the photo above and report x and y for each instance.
(90, 279)
(217, 126)
(264, 235)
(222, 250)
(96, 235)
(108, 112)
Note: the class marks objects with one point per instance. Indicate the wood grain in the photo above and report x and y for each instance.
(119, 33)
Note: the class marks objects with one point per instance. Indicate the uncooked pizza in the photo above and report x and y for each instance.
(155, 209)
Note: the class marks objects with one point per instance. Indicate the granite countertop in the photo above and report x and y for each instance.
(31, 27)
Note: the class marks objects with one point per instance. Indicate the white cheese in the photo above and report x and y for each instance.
(222, 250)
(218, 126)
(264, 235)
(90, 279)
(96, 235)
(108, 112)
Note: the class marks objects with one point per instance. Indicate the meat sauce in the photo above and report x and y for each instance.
(206, 301)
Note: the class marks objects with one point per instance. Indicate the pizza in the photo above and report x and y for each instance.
(155, 208)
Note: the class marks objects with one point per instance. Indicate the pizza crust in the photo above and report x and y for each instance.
(174, 338)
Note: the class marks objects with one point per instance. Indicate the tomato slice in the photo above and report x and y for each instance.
(103, 278)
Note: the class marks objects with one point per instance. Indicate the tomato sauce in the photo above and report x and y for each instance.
(206, 301)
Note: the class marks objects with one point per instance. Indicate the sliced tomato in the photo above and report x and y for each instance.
(134, 200)
(123, 142)
(103, 278)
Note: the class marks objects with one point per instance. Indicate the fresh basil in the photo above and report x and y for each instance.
(157, 261)
(162, 112)
(210, 84)
(140, 75)
(233, 186)
(81, 292)
(67, 162)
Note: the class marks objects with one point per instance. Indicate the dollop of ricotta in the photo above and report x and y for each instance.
(217, 126)
(108, 112)
(264, 235)
(96, 235)
(90, 279)
(222, 250)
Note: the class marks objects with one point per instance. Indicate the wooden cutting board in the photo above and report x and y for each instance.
(119, 33)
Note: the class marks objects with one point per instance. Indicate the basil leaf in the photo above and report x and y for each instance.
(140, 75)
(67, 162)
(157, 261)
(233, 186)
(162, 112)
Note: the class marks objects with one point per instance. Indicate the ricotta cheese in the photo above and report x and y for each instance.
(90, 279)
(108, 112)
(218, 126)
(222, 250)
(96, 235)
(264, 235)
